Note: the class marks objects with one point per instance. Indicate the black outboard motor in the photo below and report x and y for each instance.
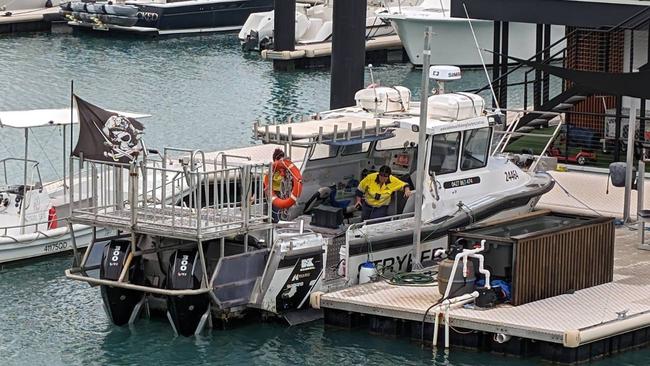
(186, 313)
(120, 303)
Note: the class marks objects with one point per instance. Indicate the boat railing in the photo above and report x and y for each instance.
(513, 133)
(184, 199)
(28, 164)
(361, 228)
(36, 228)
(271, 133)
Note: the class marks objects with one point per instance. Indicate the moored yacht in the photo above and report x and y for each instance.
(220, 254)
(33, 212)
(161, 17)
(313, 24)
(452, 42)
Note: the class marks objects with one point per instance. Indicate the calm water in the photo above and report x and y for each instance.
(202, 93)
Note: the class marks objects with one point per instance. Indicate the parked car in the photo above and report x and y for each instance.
(580, 158)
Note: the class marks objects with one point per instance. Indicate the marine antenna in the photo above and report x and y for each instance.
(480, 54)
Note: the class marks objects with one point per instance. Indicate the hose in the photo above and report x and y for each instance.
(413, 279)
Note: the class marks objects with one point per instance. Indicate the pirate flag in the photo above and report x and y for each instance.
(107, 136)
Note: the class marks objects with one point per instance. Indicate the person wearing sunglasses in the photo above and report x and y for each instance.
(376, 190)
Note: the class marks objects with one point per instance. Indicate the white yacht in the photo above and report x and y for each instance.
(313, 24)
(452, 42)
(220, 255)
(33, 212)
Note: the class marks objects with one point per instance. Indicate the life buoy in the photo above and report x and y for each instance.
(52, 220)
(285, 165)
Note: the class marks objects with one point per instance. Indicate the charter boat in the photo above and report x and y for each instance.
(33, 212)
(452, 42)
(313, 24)
(162, 17)
(220, 255)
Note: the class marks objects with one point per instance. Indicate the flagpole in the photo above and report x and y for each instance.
(71, 142)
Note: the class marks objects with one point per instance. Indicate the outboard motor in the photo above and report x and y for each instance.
(122, 305)
(187, 314)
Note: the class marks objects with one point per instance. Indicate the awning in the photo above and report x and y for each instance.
(47, 117)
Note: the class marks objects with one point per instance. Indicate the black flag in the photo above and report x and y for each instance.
(107, 136)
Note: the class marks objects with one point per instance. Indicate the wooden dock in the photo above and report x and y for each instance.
(31, 20)
(383, 49)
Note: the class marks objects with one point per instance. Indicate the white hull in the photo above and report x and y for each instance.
(400, 258)
(33, 245)
(453, 44)
(12, 5)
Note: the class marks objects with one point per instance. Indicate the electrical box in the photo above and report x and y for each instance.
(327, 216)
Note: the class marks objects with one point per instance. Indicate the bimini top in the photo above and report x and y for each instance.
(47, 117)
(343, 126)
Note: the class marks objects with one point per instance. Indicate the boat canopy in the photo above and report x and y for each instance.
(47, 117)
(343, 127)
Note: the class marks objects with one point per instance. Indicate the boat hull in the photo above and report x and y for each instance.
(48, 242)
(179, 17)
(453, 43)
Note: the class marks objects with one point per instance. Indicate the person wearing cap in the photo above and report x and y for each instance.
(376, 190)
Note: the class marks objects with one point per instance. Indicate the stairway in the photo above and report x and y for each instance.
(560, 103)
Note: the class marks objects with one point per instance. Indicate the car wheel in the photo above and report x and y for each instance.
(582, 160)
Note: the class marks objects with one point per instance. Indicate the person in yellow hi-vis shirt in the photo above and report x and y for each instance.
(376, 190)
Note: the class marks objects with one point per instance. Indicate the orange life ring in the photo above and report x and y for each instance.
(284, 165)
(52, 220)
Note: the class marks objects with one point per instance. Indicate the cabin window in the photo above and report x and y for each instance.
(475, 148)
(444, 153)
(355, 149)
(323, 151)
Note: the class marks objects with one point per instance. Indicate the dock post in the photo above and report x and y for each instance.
(284, 32)
(348, 51)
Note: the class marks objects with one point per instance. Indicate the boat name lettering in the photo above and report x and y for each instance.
(148, 16)
(400, 263)
(461, 182)
(55, 247)
(511, 175)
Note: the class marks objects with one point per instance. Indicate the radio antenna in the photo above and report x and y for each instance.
(480, 54)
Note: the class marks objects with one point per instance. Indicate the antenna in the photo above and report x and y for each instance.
(480, 54)
(372, 77)
(374, 88)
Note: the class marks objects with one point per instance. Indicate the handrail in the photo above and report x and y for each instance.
(548, 48)
(35, 164)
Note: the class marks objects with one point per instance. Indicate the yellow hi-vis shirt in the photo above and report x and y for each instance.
(370, 187)
(277, 181)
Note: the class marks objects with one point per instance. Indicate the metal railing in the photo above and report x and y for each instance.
(185, 199)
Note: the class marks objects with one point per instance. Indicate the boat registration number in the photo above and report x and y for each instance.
(511, 175)
(55, 247)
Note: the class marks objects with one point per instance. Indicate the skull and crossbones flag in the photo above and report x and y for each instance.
(107, 136)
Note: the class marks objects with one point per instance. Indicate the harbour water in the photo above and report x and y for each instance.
(202, 92)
